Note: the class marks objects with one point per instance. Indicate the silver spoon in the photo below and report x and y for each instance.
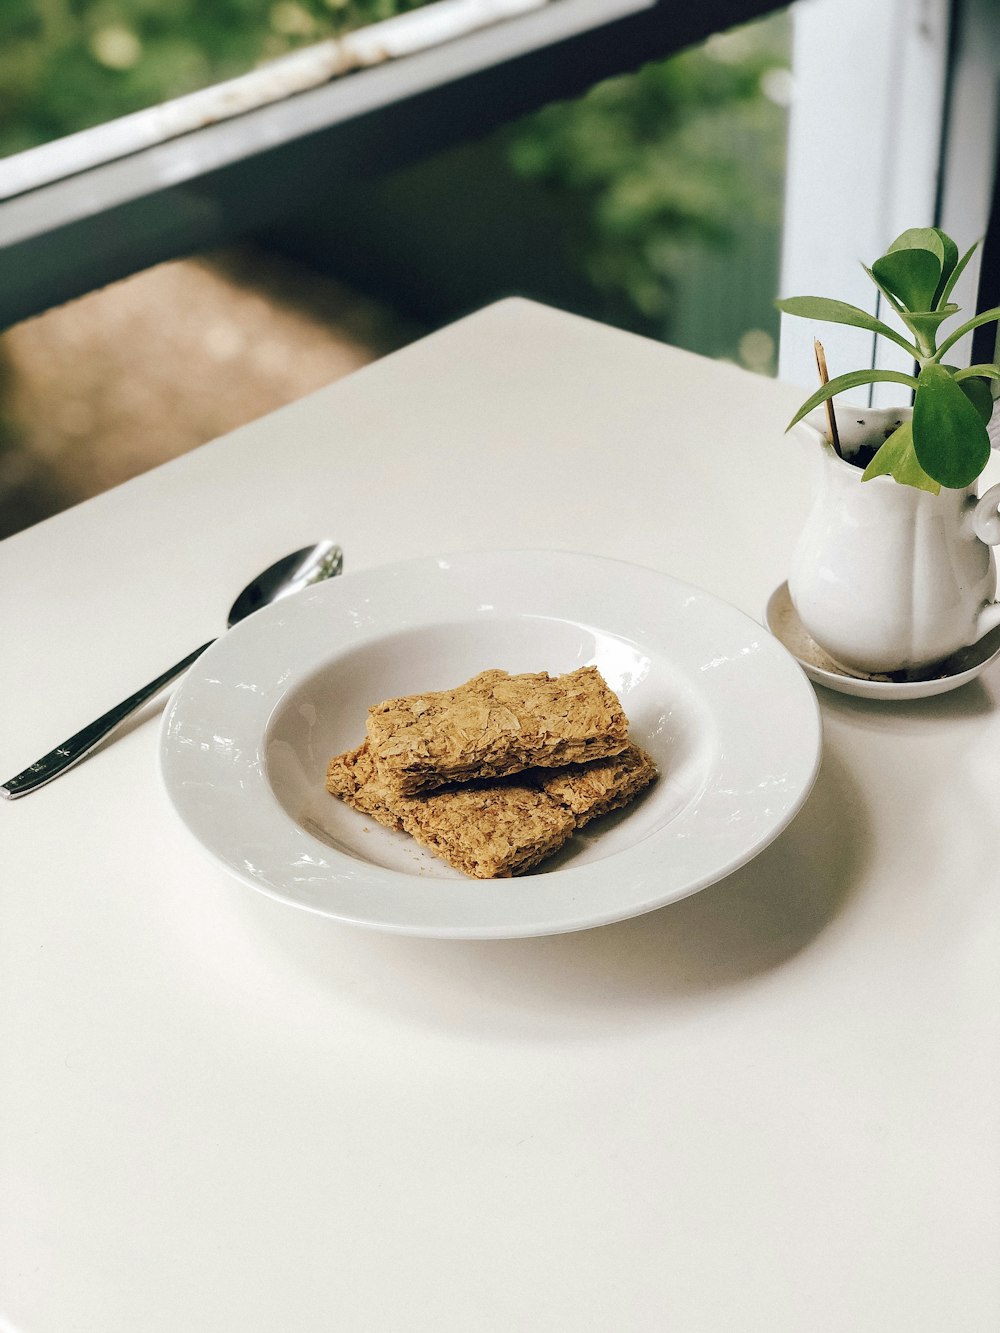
(312, 564)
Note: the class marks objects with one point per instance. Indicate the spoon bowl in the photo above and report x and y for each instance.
(301, 569)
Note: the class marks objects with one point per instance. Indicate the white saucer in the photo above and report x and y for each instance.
(782, 620)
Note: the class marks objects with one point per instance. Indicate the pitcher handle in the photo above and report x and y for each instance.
(986, 517)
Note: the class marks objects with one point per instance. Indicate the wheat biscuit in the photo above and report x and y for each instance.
(498, 827)
(488, 830)
(354, 778)
(595, 789)
(495, 724)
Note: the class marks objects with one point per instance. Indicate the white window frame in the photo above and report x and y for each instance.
(893, 125)
(207, 169)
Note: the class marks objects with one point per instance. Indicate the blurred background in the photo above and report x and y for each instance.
(652, 202)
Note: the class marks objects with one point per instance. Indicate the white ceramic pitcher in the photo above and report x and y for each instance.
(887, 577)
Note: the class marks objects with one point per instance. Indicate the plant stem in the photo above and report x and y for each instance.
(824, 378)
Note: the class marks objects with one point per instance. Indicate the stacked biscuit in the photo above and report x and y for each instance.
(495, 775)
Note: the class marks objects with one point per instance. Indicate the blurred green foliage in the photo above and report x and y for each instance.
(646, 171)
(686, 152)
(68, 64)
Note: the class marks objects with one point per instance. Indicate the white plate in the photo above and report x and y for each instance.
(725, 711)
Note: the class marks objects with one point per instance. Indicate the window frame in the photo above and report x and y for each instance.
(915, 144)
(70, 233)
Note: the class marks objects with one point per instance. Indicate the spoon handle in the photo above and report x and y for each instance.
(73, 750)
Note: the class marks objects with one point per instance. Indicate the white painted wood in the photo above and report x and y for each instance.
(971, 145)
(276, 81)
(914, 129)
(864, 145)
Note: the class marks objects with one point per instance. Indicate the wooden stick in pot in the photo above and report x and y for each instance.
(824, 378)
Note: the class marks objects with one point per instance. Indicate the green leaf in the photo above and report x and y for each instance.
(886, 293)
(950, 260)
(925, 324)
(897, 459)
(989, 372)
(920, 238)
(984, 317)
(911, 275)
(949, 438)
(852, 380)
(956, 273)
(839, 312)
(978, 393)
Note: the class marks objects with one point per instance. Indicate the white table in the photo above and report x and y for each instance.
(772, 1106)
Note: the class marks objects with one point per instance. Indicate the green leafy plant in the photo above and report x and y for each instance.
(946, 442)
